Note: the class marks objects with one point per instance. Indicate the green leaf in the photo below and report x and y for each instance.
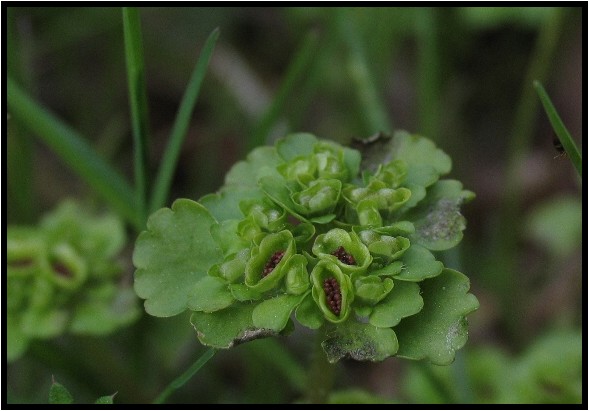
(295, 145)
(559, 128)
(416, 150)
(225, 205)
(58, 394)
(277, 189)
(403, 300)
(419, 263)
(440, 328)
(309, 314)
(210, 294)
(173, 253)
(244, 175)
(437, 219)
(228, 327)
(361, 342)
(273, 314)
(106, 399)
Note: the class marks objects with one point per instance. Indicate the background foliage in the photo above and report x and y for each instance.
(460, 76)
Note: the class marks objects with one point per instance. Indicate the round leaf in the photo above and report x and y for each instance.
(274, 313)
(440, 328)
(403, 300)
(419, 263)
(210, 294)
(438, 222)
(173, 254)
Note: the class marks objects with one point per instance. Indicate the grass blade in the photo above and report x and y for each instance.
(74, 151)
(166, 170)
(294, 73)
(138, 103)
(559, 128)
(181, 380)
(374, 112)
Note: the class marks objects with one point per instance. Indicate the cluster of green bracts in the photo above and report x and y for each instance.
(306, 227)
(61, 276)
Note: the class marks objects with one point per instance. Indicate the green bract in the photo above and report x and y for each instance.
(336, 238)
(62, 277)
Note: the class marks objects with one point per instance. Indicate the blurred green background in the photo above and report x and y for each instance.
(460, 76)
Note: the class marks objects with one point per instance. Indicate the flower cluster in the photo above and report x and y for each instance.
(308, 227)
(61, 276)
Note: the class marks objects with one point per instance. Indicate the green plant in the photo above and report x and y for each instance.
(62, 276)
(307, 227)
(58, 394)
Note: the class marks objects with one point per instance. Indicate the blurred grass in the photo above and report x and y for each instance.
(339, 73)
(138, 103)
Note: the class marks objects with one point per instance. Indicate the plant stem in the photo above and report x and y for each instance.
(187, 375)
(321, 372)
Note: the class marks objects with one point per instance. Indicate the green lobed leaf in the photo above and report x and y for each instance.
(245, 174)
(309, 314)
(295, 145)
(228, 327)
(173, 253)
(273, 314)
(438, 221)
(419, 263)
(403, 300)
(440, 328)
(361, 342)
(210, 294)
(225, 205)
(416, 151)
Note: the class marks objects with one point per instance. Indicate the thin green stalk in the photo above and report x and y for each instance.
(559, 128)
(183, 379)
(321, 372)
(181, 123)
(74, 151)
(138, 103)
(299, 66)
(506, 252)
(373, 109)
(429, 72)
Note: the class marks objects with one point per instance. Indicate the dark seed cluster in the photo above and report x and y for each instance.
(61, 269)
(333, 294)
(272, 263)
(343, 256)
